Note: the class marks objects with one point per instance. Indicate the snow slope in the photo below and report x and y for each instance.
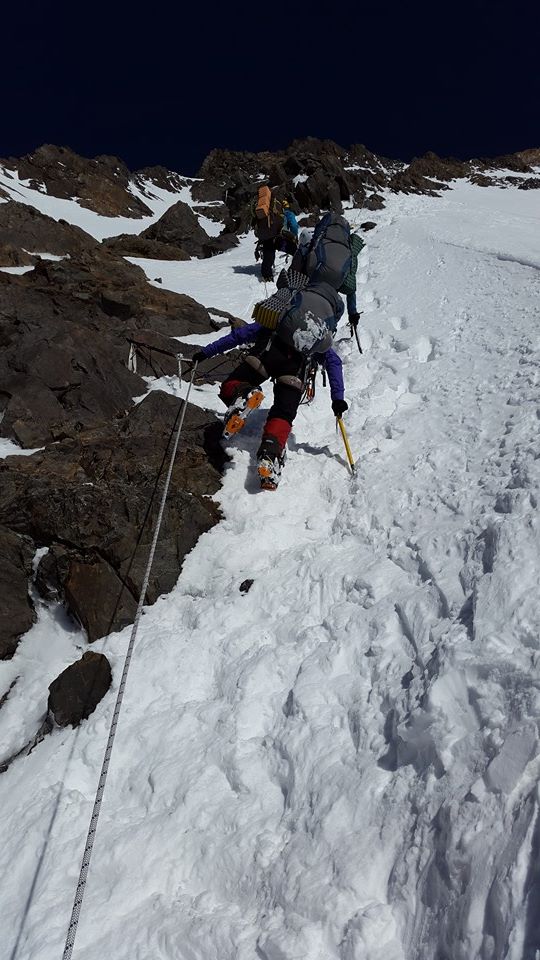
(342, 762)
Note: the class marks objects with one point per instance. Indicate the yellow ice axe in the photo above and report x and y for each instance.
(346, 442)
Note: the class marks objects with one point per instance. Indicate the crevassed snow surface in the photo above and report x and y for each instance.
(341, 764)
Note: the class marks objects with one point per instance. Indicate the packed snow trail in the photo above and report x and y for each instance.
(342, 763)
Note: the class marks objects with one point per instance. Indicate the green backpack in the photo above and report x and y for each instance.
(349, 283)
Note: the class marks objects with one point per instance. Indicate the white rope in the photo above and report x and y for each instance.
(79, 893)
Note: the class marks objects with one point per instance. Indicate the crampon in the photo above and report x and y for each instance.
(269, 469)
(238, 413)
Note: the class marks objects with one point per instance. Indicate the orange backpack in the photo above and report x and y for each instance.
(264, 202)
(269, 218)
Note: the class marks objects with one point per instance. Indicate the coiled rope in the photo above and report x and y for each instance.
(79, 893)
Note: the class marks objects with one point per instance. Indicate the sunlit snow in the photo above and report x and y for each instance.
(342, 763)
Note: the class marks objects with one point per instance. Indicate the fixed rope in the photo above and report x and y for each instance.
(79, 893)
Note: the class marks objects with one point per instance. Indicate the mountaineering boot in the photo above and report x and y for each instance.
(240, 410)
(270, 461)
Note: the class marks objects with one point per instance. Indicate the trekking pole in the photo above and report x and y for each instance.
(346, 442)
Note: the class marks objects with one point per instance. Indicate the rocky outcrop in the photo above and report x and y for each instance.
(12, 256)
(180, 227)
(128, 245)
(159, 177)
(26, 229)
(75, 694)
(90, 500)
(16, 609)
(101, 184)
(64, 343)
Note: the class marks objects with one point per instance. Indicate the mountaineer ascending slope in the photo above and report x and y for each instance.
(271, 357)
(294, 327)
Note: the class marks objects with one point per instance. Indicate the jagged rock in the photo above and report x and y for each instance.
(160, 177)
(375, 202)
(180, 227)
(96, 596)
(127, 245)
(428, 174)
(208, 190)
(319, 190)
(100, 184)
(63, 335)
(93, 493)
(13, 256)
(217, 212)
(51, 573)
(92, 591)
(481, 180)
(533, 183)
(76, 692)
(519, 162)
(26, 229)
(319, 148)
(16, 611)
(367, 225)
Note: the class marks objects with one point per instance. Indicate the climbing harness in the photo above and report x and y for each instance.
(79, 893)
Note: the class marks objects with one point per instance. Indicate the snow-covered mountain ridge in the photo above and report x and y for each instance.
(343, 762)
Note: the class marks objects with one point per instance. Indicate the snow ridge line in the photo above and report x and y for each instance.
(87, 855)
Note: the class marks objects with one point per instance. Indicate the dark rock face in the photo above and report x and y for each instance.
(25, 228)
(75, 694)
(100, 184)
(16, 610)
(65, 331)
(11, 256)
(89, 499)
(63, 339)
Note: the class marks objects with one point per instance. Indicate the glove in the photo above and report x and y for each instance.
(339, 407)
(353, 320)
(199, 357)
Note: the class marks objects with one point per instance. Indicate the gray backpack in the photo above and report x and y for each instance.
(309, 324)
(329, 256)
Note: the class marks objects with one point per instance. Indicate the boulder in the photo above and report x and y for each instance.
(179, 226)
(75, 694)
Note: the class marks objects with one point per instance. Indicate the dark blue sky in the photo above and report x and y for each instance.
(162, 85)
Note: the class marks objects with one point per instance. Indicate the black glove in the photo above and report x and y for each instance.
(353, 320)
(339, 407)
(199, 357)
